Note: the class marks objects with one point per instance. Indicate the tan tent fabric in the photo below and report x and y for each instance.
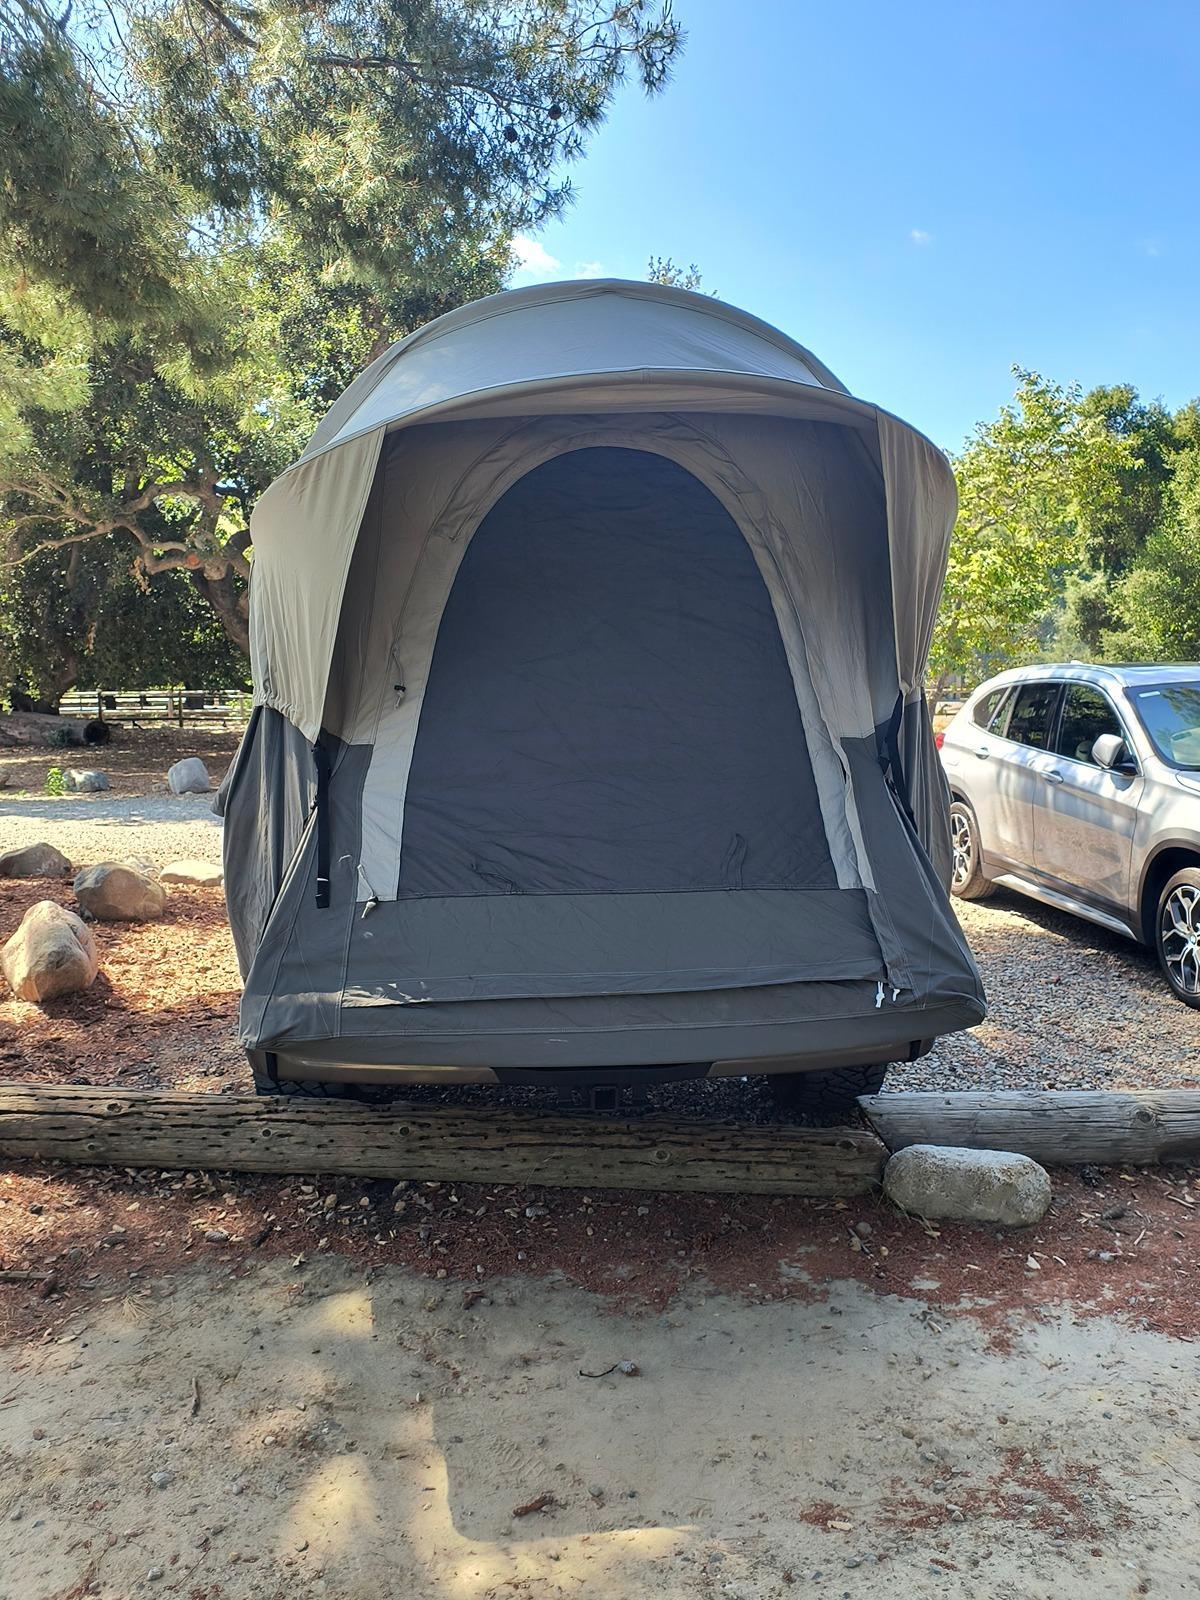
(304, 530)
(922, 501)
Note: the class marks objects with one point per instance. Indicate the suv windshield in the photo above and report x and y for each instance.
(1170, 714)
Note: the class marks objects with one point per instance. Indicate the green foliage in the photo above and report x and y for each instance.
(1078, 534)
(46, 606)
(213, 213)
(86, 616)
(155, 631)
(1157, 603)
(1028, 482)
(56, 782)
(661, 269)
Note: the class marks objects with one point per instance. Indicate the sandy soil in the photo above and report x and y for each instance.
(310, 1429)
(352, 1390)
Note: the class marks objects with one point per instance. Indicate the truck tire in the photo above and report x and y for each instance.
(831, 1093)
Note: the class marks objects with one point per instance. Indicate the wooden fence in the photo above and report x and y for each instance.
(194, 708)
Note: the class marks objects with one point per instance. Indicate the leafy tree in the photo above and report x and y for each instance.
(46, 607)
(87, 616)
(661, 269)
(214, 212)
(151, 632)
(1157, 603)
(1028, 484)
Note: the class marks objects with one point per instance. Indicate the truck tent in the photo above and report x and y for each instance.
(589, 733)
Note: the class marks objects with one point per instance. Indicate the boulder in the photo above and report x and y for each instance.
(111, 892)
(968, 1185)
(53, 952)
(34, 861)
(84, 780)
(205, 873)
(189, 776)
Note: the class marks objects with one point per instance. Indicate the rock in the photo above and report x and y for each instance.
(114, 893)
(53, 952)
(34, 861)
(204, 873)
(162, 1480)
(969, 1185)
(84, 780)
(189, 776)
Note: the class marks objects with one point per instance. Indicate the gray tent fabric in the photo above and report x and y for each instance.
(609, 705)
(604, 609)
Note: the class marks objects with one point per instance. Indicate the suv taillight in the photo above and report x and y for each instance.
(939, 740)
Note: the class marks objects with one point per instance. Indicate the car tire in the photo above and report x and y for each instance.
(967, 881)
(831, 1093)
(1177, 935)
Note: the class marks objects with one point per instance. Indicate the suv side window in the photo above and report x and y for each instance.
(1032, 716)
(1086, 715)
(989, 713)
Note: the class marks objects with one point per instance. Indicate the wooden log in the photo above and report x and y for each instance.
(1058, 1127)
(246, 1133)
(35, 728)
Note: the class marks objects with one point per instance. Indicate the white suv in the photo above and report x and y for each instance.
(1080, 785)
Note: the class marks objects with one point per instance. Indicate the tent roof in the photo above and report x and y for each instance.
(598, 344)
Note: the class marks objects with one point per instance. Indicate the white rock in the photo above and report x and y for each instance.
(968, 1185)
(206, 873)
(53, 952)
(189, 776)
(34, 861)
(84, 780)
(115, 893)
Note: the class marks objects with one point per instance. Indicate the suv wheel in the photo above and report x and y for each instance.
(832, 1093)
(1177, 934)
(967, 880)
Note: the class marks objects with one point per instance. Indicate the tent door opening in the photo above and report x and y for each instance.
(609, 706)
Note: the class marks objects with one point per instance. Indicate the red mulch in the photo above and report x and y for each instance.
(161, 1014)
(88, 1226)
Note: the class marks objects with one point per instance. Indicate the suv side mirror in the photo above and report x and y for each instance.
(1112, 753)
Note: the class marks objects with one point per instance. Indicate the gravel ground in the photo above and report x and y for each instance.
(1072, 1006)
(103, 827)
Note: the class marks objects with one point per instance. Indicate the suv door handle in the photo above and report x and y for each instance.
(983, 752)
(1054, 775)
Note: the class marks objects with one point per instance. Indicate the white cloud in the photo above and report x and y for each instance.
(1152, 247)
(533, 259)
(589, 269)
(919, 236)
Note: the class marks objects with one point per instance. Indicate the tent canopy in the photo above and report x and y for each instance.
(605, 610)
(598, 347)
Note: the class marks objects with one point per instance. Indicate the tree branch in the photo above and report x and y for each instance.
(221, 16)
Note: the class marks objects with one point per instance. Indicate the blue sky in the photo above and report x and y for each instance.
(923, 194)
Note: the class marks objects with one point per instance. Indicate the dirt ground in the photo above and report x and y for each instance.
(135, 761)
(246, 1389)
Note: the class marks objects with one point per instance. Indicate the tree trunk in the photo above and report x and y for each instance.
(230, 603)
(54, 681)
